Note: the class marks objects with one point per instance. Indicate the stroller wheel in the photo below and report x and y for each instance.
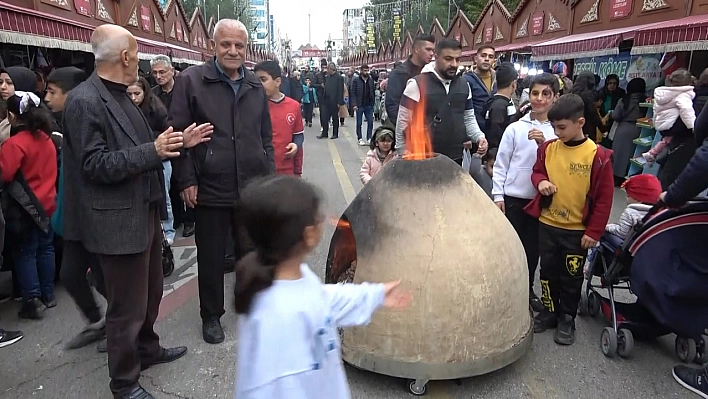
(700, 351)
(608, 342)
(593, 304)
(625, 343)
(685, 349)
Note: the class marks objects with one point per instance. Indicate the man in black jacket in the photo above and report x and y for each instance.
(362, 97)
(332, 98)
(211, 175)
(500, 111)
(423, 51)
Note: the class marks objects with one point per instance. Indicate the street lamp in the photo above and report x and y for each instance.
(330, 43)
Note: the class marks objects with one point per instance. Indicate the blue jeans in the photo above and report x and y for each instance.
(367, 111)
(168, 225)
(34, 264)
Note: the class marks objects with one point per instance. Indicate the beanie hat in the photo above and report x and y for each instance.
(644, 188)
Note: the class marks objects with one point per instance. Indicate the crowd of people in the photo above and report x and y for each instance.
(84, 156)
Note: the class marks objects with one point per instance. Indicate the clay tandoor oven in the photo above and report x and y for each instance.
(427, 223)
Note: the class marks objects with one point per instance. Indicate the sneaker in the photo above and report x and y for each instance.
(565, 334)
(92, 333)
(8, 338)
(535, 303)
(32, 309)
(50, 302)
(212, 331)
(362, 142)
(102, 346)
(695, 380)
(544, 320)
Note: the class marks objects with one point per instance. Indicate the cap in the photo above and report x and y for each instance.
(644, 188)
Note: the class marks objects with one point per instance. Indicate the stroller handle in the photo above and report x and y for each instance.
(661, 205)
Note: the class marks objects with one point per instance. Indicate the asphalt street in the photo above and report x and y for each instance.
(39, 367)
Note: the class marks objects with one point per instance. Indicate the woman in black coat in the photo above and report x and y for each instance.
(584, 86)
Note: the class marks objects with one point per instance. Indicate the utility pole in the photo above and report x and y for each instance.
(309, 28)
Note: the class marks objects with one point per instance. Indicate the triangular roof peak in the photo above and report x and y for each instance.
(459, 16)
(490, 3)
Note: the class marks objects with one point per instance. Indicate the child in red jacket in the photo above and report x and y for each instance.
(286, 118)
(573, 176)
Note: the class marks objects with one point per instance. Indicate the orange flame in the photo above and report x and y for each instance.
(418, 143)
(338, 222)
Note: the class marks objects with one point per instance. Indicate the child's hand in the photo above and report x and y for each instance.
(546, 188)
(291, 150)
(394, 298)
(587, 242)
(501, 206)
(537, 135)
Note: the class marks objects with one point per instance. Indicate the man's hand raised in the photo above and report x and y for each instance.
(167, 144)
(194, 134)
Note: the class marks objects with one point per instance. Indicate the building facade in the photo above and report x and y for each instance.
(260, 14)
(353, 27)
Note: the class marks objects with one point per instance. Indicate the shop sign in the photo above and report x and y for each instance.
(620, 9)
(145, 18)
(624, 65)
(178, 27)
(83, 7)
(537, 23)
(488, 34)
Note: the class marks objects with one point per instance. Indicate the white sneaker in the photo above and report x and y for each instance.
(362, 142)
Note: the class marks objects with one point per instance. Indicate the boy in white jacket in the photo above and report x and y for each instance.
(671, 102)
(512, 189)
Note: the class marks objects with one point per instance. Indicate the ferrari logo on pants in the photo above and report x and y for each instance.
(574, 263)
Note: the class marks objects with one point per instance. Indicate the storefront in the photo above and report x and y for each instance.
(492, 28)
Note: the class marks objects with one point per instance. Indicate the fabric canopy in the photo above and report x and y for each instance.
(518, 46)
(591, 44)
(685, 34)
(26, 27)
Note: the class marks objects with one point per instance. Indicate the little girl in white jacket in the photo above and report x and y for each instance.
(671, 102)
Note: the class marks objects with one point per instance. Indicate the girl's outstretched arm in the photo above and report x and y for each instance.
(353, 304)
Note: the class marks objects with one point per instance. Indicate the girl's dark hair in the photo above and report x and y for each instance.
(377, 134)
(150, 102)
(37, 120)
(490, 155)
(274, 212)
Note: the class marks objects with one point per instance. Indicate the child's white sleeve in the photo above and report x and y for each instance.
(353, 304)
(623, 227)
(501, 164)
(686, 110)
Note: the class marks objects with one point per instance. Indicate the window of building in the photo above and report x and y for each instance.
(261, 35)
(260, 13)
(257, 2)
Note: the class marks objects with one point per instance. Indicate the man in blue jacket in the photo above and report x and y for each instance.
(483, 81)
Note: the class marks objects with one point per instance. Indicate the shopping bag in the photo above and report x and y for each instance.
(466, 160)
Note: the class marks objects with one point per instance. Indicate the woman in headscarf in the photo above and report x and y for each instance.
(584, 86)
(610, 93)
(16, 78)
(625, 115)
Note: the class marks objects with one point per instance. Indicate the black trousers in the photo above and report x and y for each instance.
(307, 111)
(562, 261)
(330, 112)
(134, 288)
(216, 236)
(76, 263)
(526, 228)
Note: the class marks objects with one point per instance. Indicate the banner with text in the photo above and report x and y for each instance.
(624, 65)
(370, 32)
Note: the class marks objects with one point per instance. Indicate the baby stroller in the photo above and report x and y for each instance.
(664, 262)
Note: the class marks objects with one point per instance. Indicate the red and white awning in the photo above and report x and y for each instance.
(516, 47)
(581, 45)
(26, 27)
(685, 34)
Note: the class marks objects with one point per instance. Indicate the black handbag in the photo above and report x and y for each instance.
(168, 258)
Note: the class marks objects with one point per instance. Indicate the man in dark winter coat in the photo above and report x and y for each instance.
(423, 51)
(211, 175)
(483, 81)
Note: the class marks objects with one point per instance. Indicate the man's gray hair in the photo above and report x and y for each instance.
(230, 24)
(332, 65)
(161, 59)
(107, 48)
